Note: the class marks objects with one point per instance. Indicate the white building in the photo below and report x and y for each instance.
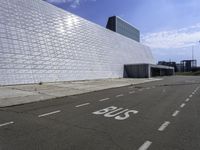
(42, 43)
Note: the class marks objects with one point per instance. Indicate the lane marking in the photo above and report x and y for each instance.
(190, 96)
(131, 92)
(175, 113)
(82, 105)
(105, 99)
(182, 105)
(145, 146)
(163, 126)
(148, 88)
(50, 113)
(187, 100)
(193, 93)
(120, 95)
(140, 89)
(7, 123)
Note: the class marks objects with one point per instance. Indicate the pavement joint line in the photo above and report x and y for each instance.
(50, 113)
(182, 105)
(187, 100)
(163, 126)
(82, 105)
(7, 123)
(105, 99)
(175, 113)
(145, 146)
(120, 95)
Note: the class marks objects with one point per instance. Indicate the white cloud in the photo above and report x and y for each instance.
(72, 3)
(180, 38)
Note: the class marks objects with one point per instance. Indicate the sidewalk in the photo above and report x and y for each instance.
(21, 94)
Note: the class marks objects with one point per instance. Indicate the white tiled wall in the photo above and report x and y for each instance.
(39, 42)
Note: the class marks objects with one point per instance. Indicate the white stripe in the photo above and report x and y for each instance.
(182, 105)
(175, 113)
(7, 123)
(119, 95)
(131, 92)
(193, 93)
(82, 105)
(145, 146)
(187, 100)
(163, 126)
(141, 89)
(105, 99)
(190, 96)
(50, 113)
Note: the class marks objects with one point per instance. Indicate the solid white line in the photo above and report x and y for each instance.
(7, 123)
(131, 92)
(182, 105)
(119, 95)
(175, 113)
(82, 105)
(187, 100)
(145, 146)
(163, 126)
(190, 96)
(50, 113)
(105, 99)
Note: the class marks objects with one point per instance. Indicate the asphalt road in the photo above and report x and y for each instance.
(161, 115)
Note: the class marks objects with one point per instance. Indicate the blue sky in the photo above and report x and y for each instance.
(170, 27)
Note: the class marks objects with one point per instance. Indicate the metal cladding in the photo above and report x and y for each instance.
(42, 43)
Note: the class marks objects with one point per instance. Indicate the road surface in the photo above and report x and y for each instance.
(161, 115)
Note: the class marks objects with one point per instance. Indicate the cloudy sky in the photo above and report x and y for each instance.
(170, 27)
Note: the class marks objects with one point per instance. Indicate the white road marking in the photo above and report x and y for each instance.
(193, 93)
(105, 99)
(50, 113)
(82, 105)
(175, 113)
(140, 89)
(163, 126)
(145, 146)
(7, 123)
(148, 88)
(182, 105)
(190, 96)
(131, 92)
(187, 100)
(120, 95)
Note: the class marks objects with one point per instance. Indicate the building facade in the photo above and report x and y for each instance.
(120, 26)
(42, 43)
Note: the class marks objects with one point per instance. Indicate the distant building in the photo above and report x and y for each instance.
(170, 64)
(188, 65)
(120, 26)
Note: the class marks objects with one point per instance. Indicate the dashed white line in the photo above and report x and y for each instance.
(145, 146)
(120, 95)
(82, 105)
(163, 126)
(7, 123)
(131, 92)
(50, 113)
(182, 105)
(148, 88)
(187, 100)
(175, 113)
(105, 99)
(140, 89)
(190, 95)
